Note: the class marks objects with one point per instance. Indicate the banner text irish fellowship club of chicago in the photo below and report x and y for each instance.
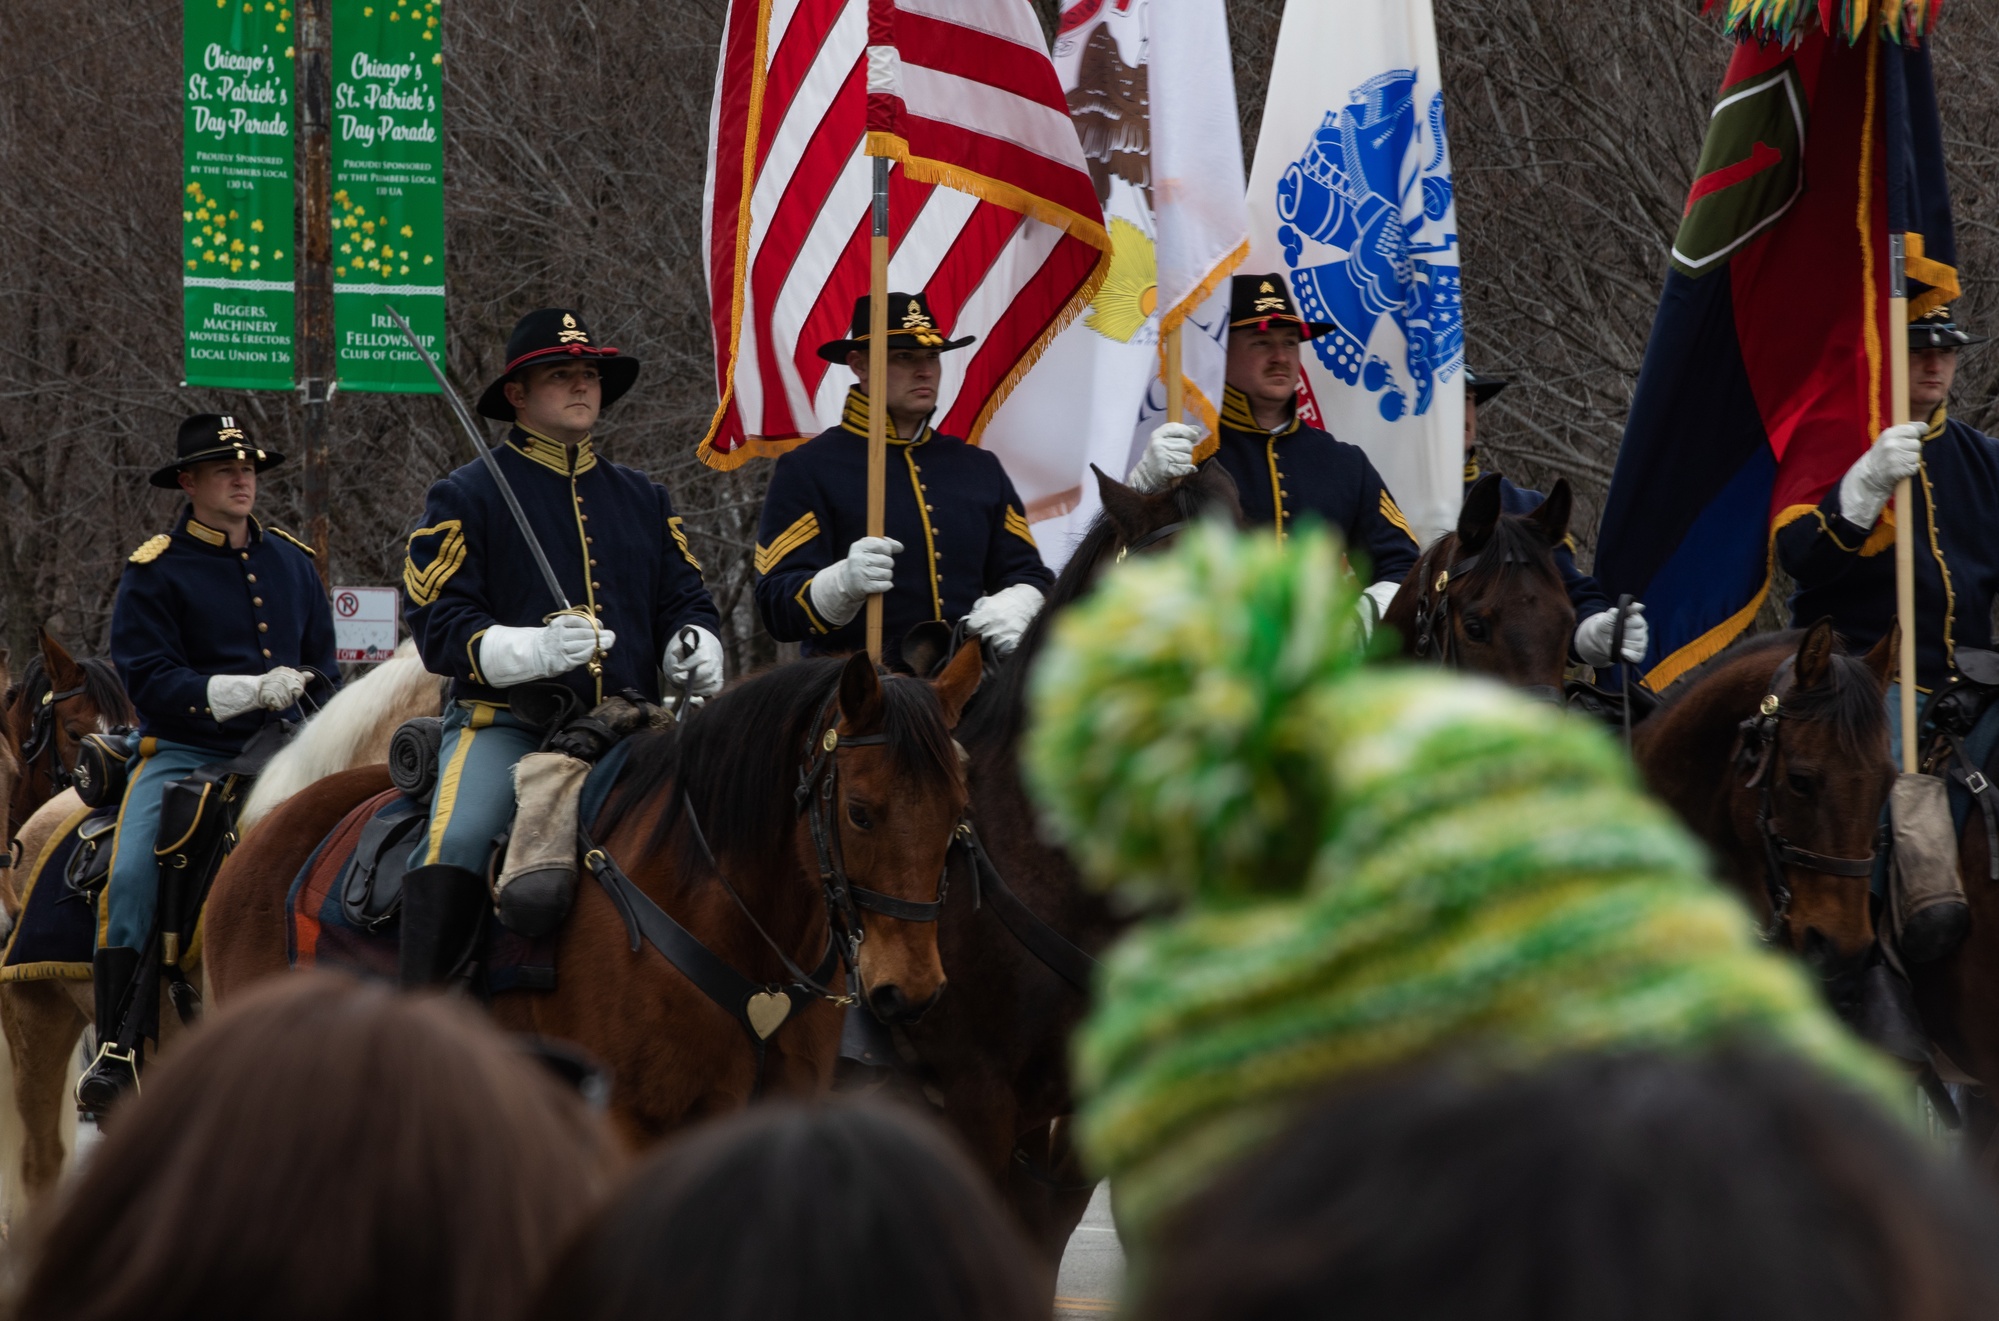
(387, 130)
(388, 191)
(236, 194)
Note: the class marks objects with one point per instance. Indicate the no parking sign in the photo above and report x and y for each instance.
(364, 623)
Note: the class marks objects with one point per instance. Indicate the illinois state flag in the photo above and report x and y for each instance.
(1766, 375)
(991, 209)
(1168, 170)
(1351, 199)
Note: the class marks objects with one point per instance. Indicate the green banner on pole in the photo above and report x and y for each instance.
(388, 191)
(236, 194)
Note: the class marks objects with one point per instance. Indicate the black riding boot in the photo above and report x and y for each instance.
(108, 1078)
(442, 909)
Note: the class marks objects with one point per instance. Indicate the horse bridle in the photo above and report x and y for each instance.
(1433, 621)
(41, 736)
(1761, 734)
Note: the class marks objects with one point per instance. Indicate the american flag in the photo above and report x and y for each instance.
(991, 207)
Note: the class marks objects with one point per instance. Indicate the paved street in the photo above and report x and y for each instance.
(1092, 1278)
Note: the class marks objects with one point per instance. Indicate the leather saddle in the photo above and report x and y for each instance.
(371, 888)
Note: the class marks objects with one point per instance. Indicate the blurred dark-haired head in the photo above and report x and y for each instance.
(326, 1150)
(833, 1212)
(1722, 1186)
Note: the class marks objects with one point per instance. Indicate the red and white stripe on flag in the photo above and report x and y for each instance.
(991, 211)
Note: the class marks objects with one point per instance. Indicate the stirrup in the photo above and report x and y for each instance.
(108, 1053)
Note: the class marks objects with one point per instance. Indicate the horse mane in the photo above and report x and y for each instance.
(1000, 708)
(1515, 539)
(100, 686)
(737, 759)
(1851, 702)
(352, 729)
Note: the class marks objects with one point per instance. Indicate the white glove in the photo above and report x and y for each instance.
(1003, 617)
(1895, 454)
(509, 656)
(697, 668)
(1373, 604)
(839, 590)
(279, 689)
(1169, 454)
(1593, 637)
(230, 695)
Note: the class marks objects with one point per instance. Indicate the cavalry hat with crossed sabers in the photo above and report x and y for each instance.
(1263, 302)
(1939, 330)
(910, 326)
(549, 334)
(206, 437)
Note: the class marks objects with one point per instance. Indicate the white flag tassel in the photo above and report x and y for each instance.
(1351, 199)
(1197, 194)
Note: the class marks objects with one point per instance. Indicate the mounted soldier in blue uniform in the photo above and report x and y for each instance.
(1596, 617)
(1283, 468)
(1841, 554)
(480, 615)
(956, 543)
(219, 627)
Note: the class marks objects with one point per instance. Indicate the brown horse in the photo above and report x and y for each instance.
(994, 1054)
(57, 702)
(1776, 754)
(1489, 598)
(732, 769)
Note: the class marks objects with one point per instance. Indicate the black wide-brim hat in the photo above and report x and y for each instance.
(547, 335)
(1484, 387)
(910, 326)
(1262, 301)
(1938, 329)
(207, 437)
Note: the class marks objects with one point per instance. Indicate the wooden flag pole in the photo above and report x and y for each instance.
(1176, 386)
(1905, 515)
(877, 384)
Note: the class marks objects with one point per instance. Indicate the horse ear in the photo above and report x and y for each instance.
(1124, 507)
(1885, 654)
(959, 681)
(63, 671)
(1815, 652)
(860, 693)
(1551, 516)
(1479, 515)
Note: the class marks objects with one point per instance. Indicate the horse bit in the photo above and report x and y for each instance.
(1758, 756)
(41, 736)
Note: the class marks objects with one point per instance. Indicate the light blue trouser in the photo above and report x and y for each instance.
(475, 784)
(134, 889)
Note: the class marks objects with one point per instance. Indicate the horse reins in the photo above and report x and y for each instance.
(1433, 620)
(1761, 734)
(41, 736)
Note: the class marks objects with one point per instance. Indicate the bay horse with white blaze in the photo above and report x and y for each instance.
(708, 825)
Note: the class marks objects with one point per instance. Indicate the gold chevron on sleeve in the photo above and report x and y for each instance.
(1016, 523)
(680, 540)
(424, 584)
(787, 541)
(1393, 514)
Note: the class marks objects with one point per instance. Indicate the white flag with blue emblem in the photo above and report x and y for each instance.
(1350, 197)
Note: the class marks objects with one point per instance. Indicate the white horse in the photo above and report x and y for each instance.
(43, 1020)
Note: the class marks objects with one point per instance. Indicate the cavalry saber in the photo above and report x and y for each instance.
(465, 420)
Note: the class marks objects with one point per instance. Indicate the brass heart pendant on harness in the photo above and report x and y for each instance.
(767, 1011)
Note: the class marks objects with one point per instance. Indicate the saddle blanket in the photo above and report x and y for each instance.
(322, 930)
(55, 933)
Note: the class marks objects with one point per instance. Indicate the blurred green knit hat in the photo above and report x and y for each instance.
(1371, 864)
